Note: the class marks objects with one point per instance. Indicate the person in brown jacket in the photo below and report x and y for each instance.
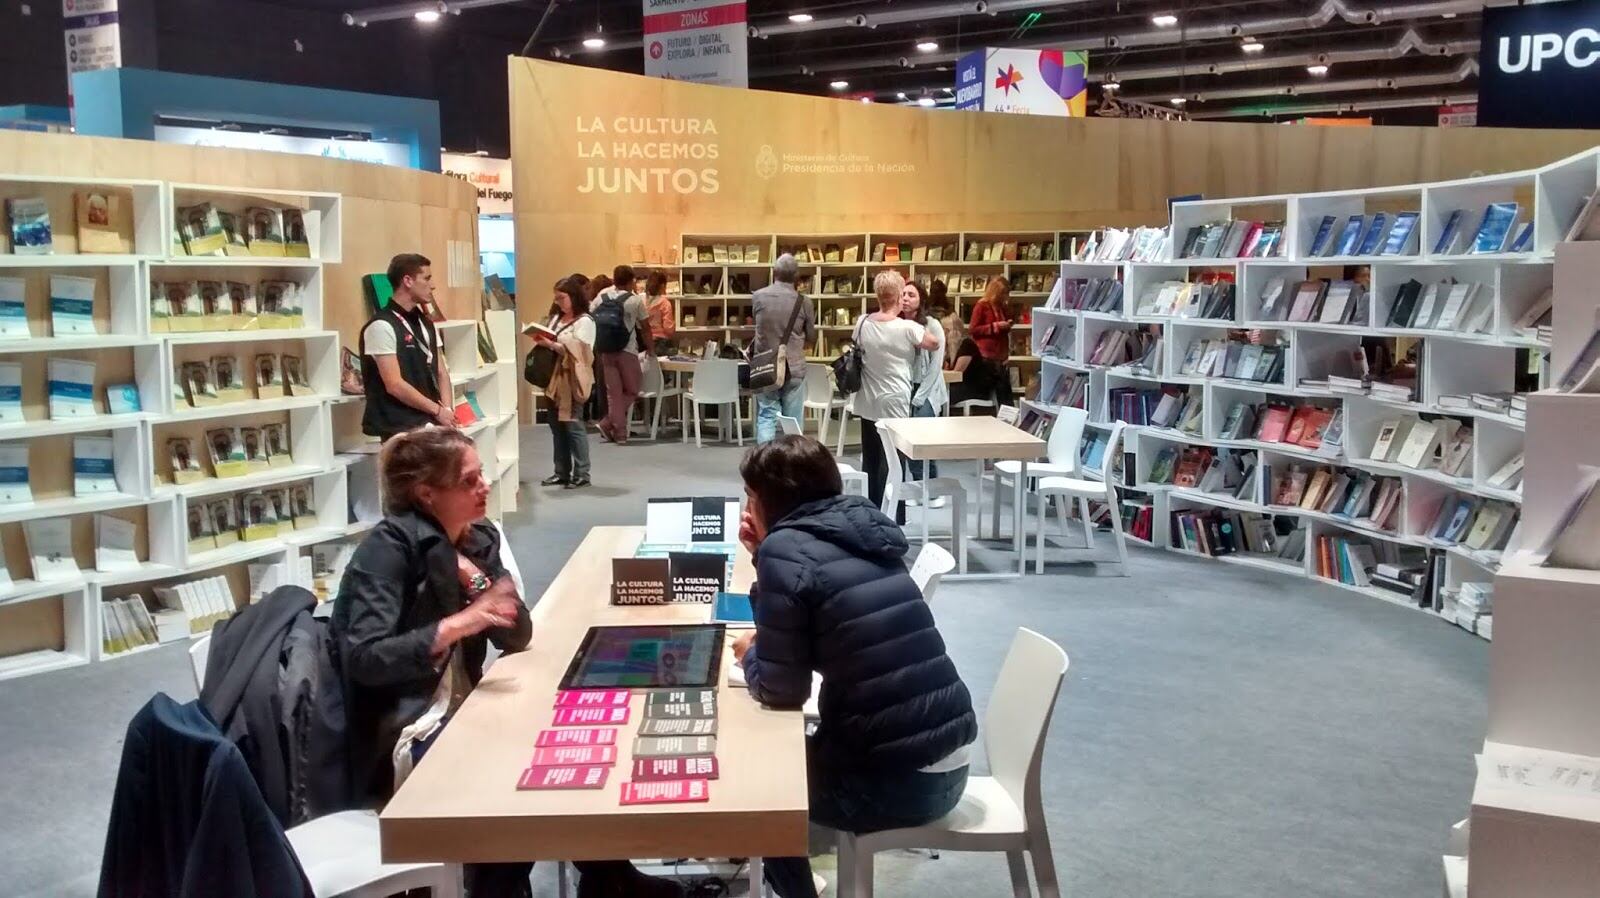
(571, 383)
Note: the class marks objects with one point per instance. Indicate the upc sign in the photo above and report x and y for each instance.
(1543, 72)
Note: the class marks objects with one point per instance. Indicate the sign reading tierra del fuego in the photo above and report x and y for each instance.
(653, 154)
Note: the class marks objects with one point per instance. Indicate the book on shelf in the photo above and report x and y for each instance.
(13, 309)
(29, 218)
(1586, 226)
(1272, 295)
(1450, 234)
(1399, 239)
(70, 388)
(1509, 475)
(93, 466)
(1495, 228)
(114, 544)
(254, 448)
(11, 393)
(121, 399)
(182, 462)
(1522, 239)
(199, 387)
(105, 220)
(50, 548)
(1582, 374)
(71, 306)
(1340, 302)
(1574, 541)
(1454, 518)
(1319, 243)
(235, 243)
(14, 488)
(1308, 298)
(1349, 238)
(1372, 239)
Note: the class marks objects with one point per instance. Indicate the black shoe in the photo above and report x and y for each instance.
(578, 484)
(554, 480)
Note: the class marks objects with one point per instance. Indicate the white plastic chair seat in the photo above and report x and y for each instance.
(1071, 486)
(855, 482)
(340, 855)
(985, 819)
(1011, 468)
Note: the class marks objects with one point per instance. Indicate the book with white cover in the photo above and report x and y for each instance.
(1456, 303)
(1387, 431)
(1574, 541)
(93, 467)
(142, 616)
(112, 640)
(1508, 475)
(11, 393)
(1583, 373)
(14, 486)
(1419, 445)
(50, 548)
(130, 627)
(221, 595)
(1428, 305)
(71, 306)
(114, 544)
(13, 309)
(70, 384)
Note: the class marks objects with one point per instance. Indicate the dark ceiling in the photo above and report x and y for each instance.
(1396, 62)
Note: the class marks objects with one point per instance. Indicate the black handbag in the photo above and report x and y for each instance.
(769, 370)
(848, 366)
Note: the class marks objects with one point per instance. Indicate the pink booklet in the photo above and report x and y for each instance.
(574, 755)
(571, 717)
(592, 698)
(563, 778)
(667, 792)
(590, 736)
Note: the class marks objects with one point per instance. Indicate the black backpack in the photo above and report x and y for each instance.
(610, 328)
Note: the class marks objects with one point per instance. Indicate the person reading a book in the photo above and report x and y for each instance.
(570, 335)
(832, 596)
(426, 593)
(402, 363)
(929, 394)
(890, 345)
(783, 318)
(991, 330)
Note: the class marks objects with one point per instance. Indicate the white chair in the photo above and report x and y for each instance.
(1061, 460)
(788, 425)
(1102, 490)
(653, 386)
(820, 397)
(898, 489)
(932, 563)
(855, 482)
(340, 852)
(967, 405)
(715, 383)
(1000, 812)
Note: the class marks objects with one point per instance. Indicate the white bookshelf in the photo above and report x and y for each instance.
(1453, 362)
(127, 349)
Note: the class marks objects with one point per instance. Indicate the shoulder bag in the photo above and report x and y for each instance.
(540, 365)
(769, 369)
(848, 366)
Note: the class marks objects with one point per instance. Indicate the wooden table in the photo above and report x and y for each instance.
(980, 439)
(671, 365)
(461, 804)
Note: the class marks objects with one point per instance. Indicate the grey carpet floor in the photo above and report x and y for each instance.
(1224, 732)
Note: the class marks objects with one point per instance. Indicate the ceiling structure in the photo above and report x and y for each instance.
(1213, 59)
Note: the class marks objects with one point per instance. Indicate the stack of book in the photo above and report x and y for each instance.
(1056, 340)
(1138, 518)
(1402, 579)
(1226, 532)
(1236, 239)
(1204, 299)
(1498, 231)
(1220, 357)
(1119, 245)
(1446, 305)
(203, 602)
(1366, 499)
(1032, 281)
(1277, 422)
(1086, 294)
(1348, 560)
(1070, 391)
(1321, 301)
(1469, 605)
(1442, 444)
(1181, 466)
(125, 625)
(1479, 525)
(1382, 234)
(1117, 347)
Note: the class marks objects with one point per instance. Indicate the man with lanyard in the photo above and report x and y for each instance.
(402, 367)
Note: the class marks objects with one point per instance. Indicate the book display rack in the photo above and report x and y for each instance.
(1356, 418)
(711, 277)
(168, 416)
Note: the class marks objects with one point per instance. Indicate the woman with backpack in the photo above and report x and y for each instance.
(571, 383)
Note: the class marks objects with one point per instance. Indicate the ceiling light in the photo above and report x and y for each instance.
(594, 43)
(1251, 45)
(800, 18)
(1318, 70)
(900, 95)
(1165, 20)
(838, 85)
(866, 99)
(1449, 15)
(927, 46)
(1178, 101)
(1111, 85)
(925, 101)
(427, 15)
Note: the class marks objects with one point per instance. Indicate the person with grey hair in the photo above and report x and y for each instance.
(783, 318)
(889, 346)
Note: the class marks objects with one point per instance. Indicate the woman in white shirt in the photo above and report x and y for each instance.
(889, 346)
(929, 394)
(572, 383)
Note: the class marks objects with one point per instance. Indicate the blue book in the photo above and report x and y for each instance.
(1324, 231)
(733, 608)
(69, 384)
(93, 466)
(71, 306)
(1374, 236)
(1524, 241)
(1349, 238)
(14, 473)
(1497, 222)
(1447, 237)
(1400, 235)
(13, 310)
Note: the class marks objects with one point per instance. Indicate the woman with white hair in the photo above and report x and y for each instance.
(889, 346)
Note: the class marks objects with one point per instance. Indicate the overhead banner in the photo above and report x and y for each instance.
(93, 40)
(704, 41)
(1030, 82)
(490, 177)
(1539, 66)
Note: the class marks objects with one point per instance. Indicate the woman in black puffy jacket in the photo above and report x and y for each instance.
(832, 595)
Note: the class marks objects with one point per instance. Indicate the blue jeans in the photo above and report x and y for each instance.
(863, 801)
(788, 400)
(924, 410)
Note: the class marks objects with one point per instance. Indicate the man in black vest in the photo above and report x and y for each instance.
(402, 364)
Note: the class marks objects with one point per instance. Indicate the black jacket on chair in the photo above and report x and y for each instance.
(832, 595)
(399, 584)
(187, 819)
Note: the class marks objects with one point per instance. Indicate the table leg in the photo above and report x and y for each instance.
(977, 505)
(758, 884)
(1016, 518)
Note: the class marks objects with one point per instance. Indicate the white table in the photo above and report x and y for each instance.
(978, 439)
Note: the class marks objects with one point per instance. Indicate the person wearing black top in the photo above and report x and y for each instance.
(978, 379)
(402, 364)
(421, 600)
